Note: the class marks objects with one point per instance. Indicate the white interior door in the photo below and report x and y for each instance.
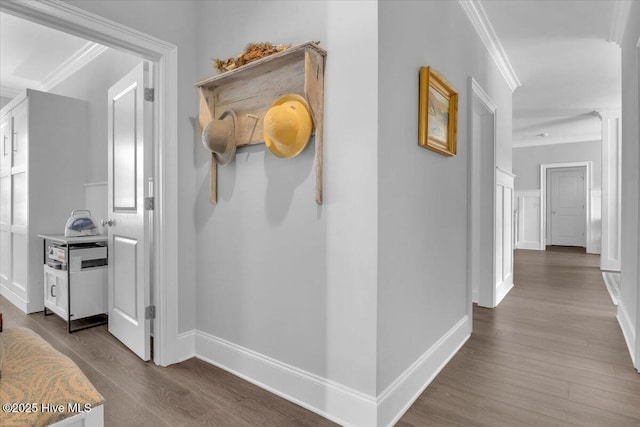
(129, 165)
(568, 214)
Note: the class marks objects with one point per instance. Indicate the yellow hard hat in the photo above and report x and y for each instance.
(287, 126)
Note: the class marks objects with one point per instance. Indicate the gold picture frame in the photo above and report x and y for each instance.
(438, 113)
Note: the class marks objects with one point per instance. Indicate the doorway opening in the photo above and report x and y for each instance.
(78, 22)
(490, 245)
(565, 208)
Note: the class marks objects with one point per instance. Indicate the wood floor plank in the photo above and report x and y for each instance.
(552, 354)
(137, 393)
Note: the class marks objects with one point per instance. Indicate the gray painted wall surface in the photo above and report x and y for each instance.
(91, 83)
(276, 273)
(630, 161)
(527, 161)
(173, 22)
(4, 101)
(422, 290)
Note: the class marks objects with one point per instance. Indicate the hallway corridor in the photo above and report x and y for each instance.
(552, 354)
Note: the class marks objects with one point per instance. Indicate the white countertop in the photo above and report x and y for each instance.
(82, 239)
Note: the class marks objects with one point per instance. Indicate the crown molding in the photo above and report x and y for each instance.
(478, 17)
(619, 20)
(9, 92)
(555, 141)
(608, 114)
(71, 65)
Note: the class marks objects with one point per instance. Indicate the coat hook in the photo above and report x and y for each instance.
(255, 124)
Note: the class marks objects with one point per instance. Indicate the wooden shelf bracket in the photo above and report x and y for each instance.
(251, 89)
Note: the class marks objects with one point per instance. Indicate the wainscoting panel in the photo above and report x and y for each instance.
(595, 242)
(503, 261)
(528, 226)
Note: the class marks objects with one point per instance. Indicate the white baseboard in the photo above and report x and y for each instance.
(503, 289)
(329, 399)
(14, 298)
(474, 295)
(628, 330)
(534, 246)
(593, 249)
(609, 264)
(398, 397)
(612, 286)
(186, 345)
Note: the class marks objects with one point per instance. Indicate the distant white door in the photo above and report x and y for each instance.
(129, 163)
(568, 213)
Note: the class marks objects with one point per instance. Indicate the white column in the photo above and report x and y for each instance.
(611, 142)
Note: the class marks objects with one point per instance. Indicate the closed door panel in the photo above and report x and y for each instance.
(20, 135)
(5, 257)
(124, 278)
(19, 264)
(5, 200)
(19, 210)
(124, 150)
(5, 148)
(568, 213)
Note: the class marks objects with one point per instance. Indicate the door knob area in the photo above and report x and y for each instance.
(107, 222)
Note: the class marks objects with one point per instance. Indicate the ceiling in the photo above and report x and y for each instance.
(38, 57)
(558, 50)
(567, 68)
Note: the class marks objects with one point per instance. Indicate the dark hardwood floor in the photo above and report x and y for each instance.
(191, 393)
(552, 354)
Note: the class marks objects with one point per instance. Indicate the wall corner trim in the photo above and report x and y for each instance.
(619, 20)
(334, 401)
(608, 114)
(478, 17)
(398, 397)
(186, 345)
(628, 330)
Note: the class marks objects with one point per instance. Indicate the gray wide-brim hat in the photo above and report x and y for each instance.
(219, 137)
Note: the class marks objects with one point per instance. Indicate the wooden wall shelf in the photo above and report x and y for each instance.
(251, 89)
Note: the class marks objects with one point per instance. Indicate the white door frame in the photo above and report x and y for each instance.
(76, 21)
(555, 173)
(543, 198)
(476, 93)
(637, 351)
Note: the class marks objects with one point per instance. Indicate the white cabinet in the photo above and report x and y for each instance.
(42, 169)
(75, 279)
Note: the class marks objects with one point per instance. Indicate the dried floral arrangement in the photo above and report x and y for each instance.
(252, 52)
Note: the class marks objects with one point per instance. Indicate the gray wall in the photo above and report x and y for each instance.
(91, 83)
(422, 287)
(276, 273)
(4, 101)
(630, 160)
(174, 22)
(527, 161)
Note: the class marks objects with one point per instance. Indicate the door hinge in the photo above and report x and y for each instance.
(149, 203)
(150, 312)
(149, 94)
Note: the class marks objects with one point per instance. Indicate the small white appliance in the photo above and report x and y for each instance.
(80, 224)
